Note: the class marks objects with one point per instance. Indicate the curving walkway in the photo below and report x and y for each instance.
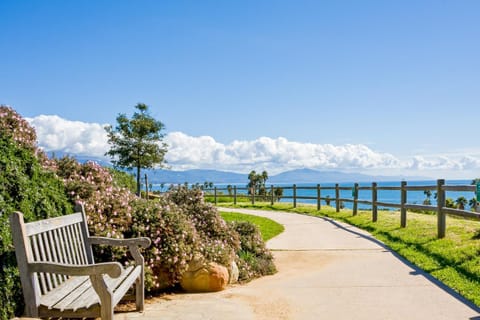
(326, 270)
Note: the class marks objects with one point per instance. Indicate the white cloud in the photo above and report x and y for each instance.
(441, 162)
(272, 154)
(71, 137)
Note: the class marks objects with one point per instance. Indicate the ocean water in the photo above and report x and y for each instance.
(389, 196)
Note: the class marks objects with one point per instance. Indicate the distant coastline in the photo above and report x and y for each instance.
(293, 176)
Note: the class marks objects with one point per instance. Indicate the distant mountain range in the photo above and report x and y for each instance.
(293, 176)
(158, 176)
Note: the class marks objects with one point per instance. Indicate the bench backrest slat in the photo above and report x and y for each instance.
(52, 223)
(61, 239)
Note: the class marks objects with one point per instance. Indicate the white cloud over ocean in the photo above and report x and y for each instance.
(275, 155)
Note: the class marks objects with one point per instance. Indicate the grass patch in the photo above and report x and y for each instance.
(268, 228)
(454, 260)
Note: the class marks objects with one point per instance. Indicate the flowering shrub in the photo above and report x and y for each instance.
(180, 224)
(219, 241)
(109, 207)
(13, 126)
(174, 241)
(254, 259)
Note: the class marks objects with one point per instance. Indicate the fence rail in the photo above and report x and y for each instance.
(440, 208)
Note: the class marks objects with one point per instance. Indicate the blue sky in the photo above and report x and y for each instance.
(370, 86)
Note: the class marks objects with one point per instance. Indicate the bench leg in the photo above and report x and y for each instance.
(140, 293)
(105, 295)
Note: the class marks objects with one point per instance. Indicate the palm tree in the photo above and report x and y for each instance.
(252, 185)
(461, 202)
(473, 203)
(264, 177)
(327, 200)
(428, 194)
(449, 203)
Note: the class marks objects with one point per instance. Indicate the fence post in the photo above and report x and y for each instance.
(271, 190)
(319, 205)
(374, 202)
(215, 194)
(355, 199)
(235, 195)
(337, 196)
(294, 195)
(403, 210)
(441, 217)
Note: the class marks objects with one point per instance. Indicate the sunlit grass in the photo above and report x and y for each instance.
(268, 228)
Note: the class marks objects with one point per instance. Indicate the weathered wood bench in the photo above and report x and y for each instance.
(59, 276)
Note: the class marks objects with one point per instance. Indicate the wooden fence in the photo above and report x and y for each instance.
(440, 208)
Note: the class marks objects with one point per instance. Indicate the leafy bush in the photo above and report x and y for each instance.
(26, 186)
(174, 241)
(254, 259)
(123, 179)
(220, 242)
(179, 223)
(108, 205)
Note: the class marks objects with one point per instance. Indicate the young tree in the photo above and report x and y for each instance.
(137, 142)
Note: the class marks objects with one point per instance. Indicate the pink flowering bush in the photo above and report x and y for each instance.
(180, 224)
(174, 241)
(219, 241)
(13, 126)
(108, 206)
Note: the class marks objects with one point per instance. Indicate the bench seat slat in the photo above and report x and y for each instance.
(119, 287)
(123, 287)
(77, 292)
(65, 291)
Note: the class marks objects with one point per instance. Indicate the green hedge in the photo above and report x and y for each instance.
(27, 187)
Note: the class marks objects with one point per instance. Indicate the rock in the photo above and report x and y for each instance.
(207, 278)
(234, 273)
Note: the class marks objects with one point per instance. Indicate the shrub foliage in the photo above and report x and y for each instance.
(26, 186)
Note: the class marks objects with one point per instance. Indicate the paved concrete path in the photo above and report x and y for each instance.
(326, 270)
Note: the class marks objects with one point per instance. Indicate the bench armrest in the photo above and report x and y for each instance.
(113, 269)
(143, 242)
(133, 245)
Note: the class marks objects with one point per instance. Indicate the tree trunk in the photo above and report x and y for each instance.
(138, 181)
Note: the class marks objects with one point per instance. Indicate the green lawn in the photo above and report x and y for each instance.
(268, 228)
(455, 259)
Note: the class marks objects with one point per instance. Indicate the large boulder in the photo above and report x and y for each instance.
(205, 278)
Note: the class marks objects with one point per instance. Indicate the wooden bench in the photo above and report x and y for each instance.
(59, 276)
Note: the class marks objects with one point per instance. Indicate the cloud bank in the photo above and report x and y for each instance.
(272, 154)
